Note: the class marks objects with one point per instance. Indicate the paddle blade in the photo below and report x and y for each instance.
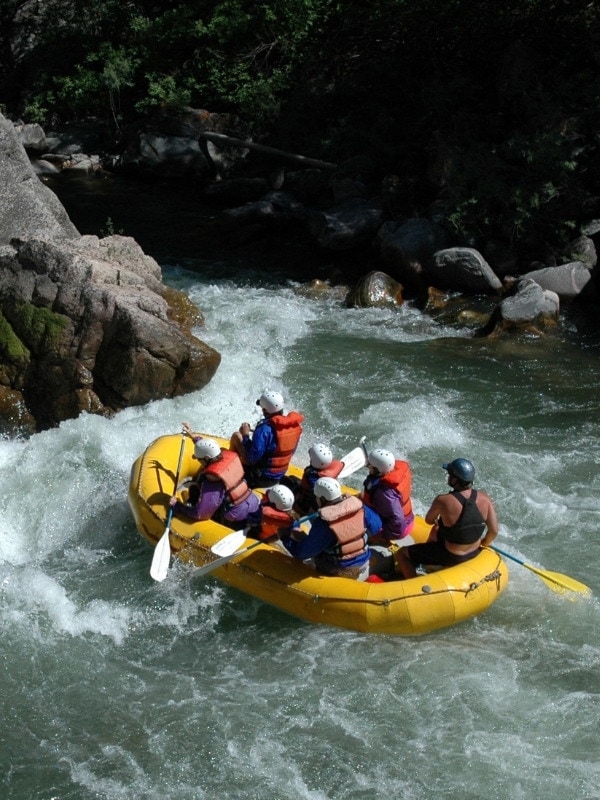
(229, 544)
(161, 558)
(561, 584)
(354, 460)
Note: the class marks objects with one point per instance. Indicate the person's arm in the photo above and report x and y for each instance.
(387, 504)
(260, 444)
(319, 538)
(435, 511)
(492, 525)
(372, 521)
(212, 494)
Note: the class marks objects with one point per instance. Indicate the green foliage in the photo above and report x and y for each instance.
(492, 110)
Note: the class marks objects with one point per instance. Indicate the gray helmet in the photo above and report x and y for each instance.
(462, 469)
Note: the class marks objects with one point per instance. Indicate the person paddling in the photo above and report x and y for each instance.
(337, 540)
(219, 490)
(463, 520)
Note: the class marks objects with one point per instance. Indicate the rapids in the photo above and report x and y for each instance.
(118, 688)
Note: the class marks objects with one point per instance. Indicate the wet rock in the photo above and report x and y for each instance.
(375, 289)
(529, 309)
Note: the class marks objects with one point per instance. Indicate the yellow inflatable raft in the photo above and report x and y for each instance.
(425, 603)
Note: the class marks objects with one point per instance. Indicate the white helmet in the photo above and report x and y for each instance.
(206, 448)
(320, 456)
(272, 402)
(328, 489)
(382, 460)
(281, 497)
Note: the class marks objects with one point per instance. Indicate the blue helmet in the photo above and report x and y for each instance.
(462, 469)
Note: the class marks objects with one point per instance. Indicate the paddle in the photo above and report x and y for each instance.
(354, 460)
(233, 540)
(230, 543)
(162, 552)
(554, 580)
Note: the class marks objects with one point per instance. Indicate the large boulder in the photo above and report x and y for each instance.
(89, 326)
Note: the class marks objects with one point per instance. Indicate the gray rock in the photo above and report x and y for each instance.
(528, 309)
(567, 280)
(27, 207)
(463, 269)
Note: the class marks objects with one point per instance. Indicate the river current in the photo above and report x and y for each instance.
(117, 688)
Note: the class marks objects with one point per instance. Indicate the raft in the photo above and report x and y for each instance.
(437, 599)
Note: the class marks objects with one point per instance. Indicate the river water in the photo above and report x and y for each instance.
(117, 688)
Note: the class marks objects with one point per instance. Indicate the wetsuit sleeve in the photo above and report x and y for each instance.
(262, 442)
(387, 504)
(212, 494)
(372, 521)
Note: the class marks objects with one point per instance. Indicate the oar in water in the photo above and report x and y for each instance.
(554, 580)
(227, 547)
(162, 552)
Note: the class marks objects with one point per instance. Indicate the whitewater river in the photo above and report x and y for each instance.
(114, 687)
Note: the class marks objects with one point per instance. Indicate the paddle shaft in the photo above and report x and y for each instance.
(162, 551)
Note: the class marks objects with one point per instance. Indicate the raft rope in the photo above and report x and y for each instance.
(426, 590)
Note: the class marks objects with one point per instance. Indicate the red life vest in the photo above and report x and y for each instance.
(400, 479)
(272, 520)
(230, 471)
(288, 430)
(347, 521)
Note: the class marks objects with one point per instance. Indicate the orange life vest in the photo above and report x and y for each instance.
(230, 471)
(400, 479)
(272, 520)
(347, 521)
(288, 430)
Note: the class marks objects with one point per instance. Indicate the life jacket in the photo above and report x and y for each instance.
(347, 521)
(331, 471)
(400, 479)
(288, 430)
(469, 527)
(230, 471)
(272, 520)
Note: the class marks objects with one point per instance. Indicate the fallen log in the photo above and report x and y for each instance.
(222, 140)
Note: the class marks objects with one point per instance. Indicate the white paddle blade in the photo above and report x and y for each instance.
(229, 544)
(161, 558)
(354, 460)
